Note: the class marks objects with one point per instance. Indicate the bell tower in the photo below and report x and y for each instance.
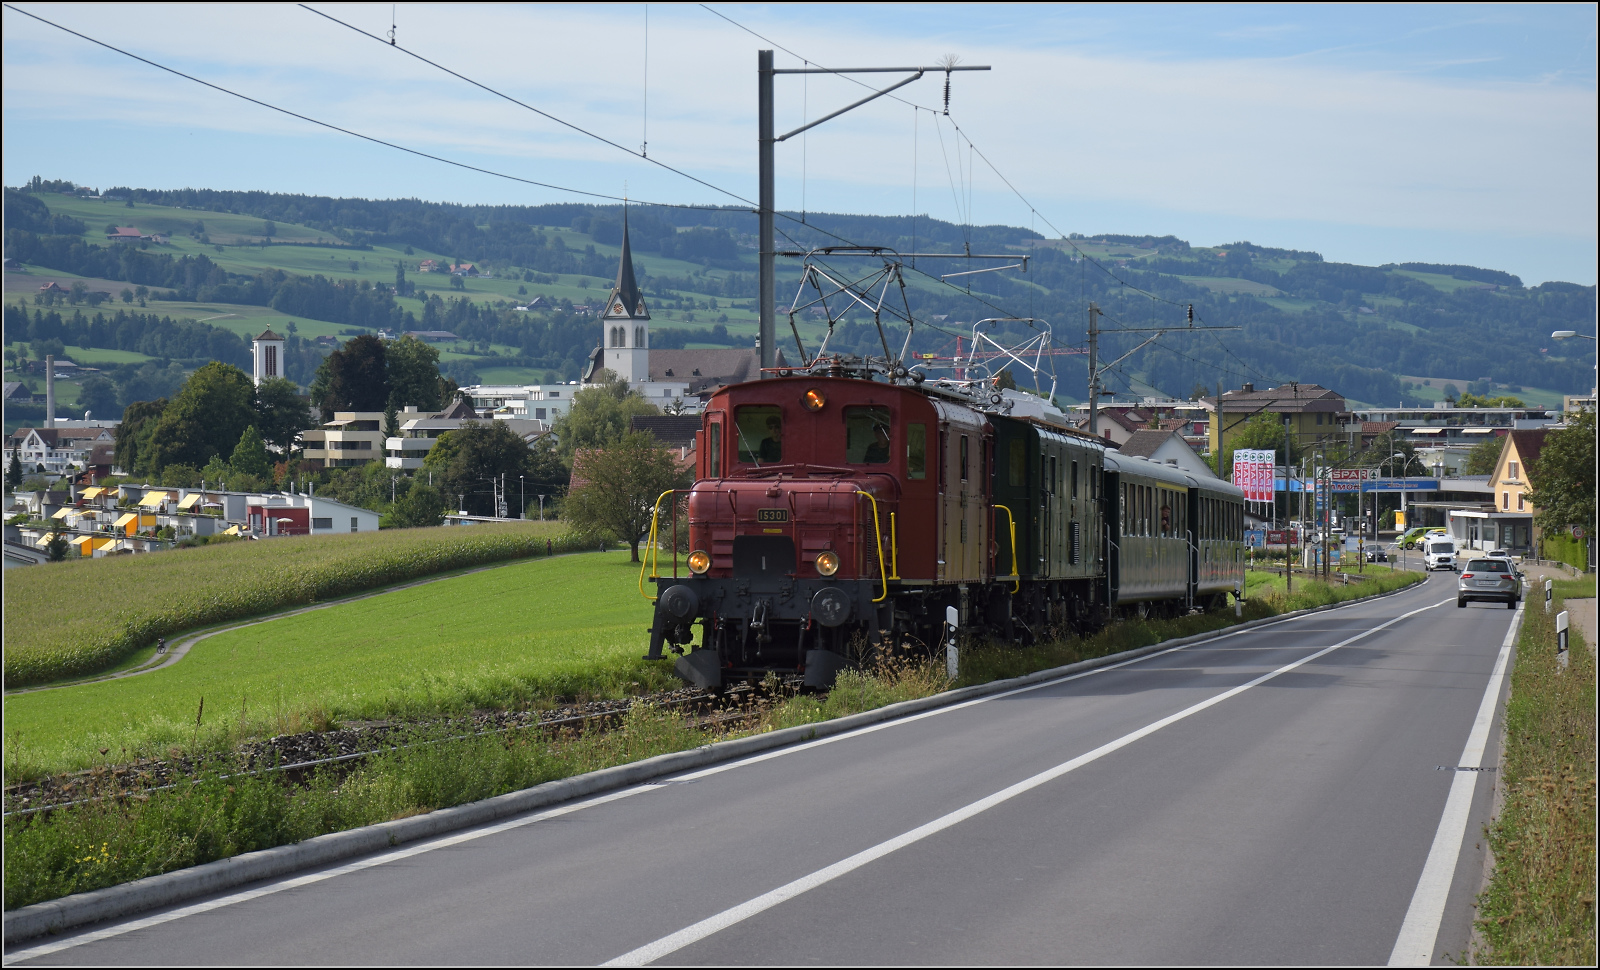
(268, 352)
(625, 325)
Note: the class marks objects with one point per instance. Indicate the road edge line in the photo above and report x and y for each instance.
(182, 885)
(1419, 933)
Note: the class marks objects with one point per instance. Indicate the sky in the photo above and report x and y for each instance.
(1371, 134)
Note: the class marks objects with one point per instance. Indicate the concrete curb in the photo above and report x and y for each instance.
(183, 885)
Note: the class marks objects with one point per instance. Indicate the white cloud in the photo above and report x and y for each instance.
(1252, 139)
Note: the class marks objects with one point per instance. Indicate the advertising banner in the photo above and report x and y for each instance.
(1252, 472)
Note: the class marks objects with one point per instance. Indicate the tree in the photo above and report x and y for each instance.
(1484, 456)
(127, 295)
(139, 420)
(56, 548)
(358, 377)
(599, 416)
(413, 369)
(1262, 432)
(1470, 400)
(14, 468)
(1564, 476)
(250, 455)
(269, 229)
(470, 462)
(391, 422)
(99, 395)
(421, 506)
(456, 283)
(1004, 380)
(619, 486)
(281, 413)
(206, 417)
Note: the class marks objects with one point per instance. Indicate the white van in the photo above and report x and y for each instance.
(1439, 554)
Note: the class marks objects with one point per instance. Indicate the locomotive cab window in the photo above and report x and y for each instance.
(917, 451)
(1074, 479)
(760, 431)
(964, 457)
(867, 436)
(714, 449)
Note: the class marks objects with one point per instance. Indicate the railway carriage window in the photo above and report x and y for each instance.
(1074, 479)
(714, 449)
(867, 437)
(1166, 515)
(1055, 475)
(760, 431)
(917, 451)
(1017, 462)
(964, 456)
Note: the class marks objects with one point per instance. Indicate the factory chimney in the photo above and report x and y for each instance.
(50, 391)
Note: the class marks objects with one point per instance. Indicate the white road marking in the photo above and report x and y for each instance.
(296, 882)
(668, 945)
(1420, 931)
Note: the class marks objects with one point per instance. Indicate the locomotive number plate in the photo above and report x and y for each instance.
(772, 515)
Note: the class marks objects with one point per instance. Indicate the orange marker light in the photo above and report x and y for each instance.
(814, 400)
(699, 562)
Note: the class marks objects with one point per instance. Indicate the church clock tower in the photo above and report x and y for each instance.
(625, 324)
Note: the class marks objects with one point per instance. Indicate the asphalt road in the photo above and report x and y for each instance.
(1201, 806)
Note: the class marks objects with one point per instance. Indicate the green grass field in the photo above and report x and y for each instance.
(140, 598)
(504, 637)
(1228, 284)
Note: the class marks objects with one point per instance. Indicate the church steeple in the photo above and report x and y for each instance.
(626, 300)
(625, 325)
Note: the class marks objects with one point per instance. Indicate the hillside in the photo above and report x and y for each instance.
(236, 262)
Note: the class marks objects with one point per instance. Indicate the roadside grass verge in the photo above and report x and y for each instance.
(73, 619)
(514, 637)
(1539, 906)
(119, 839)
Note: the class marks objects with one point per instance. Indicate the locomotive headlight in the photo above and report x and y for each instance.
(699, 562)
(827, 562)
(813, 400)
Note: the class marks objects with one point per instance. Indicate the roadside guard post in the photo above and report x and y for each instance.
(952, 663)
(1238, 600)
(1549, 591)
(1561, 637)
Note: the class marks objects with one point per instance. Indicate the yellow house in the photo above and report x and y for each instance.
(1508, 522)
(1510, 478)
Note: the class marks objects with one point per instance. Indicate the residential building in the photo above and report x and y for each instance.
(431, 336)
(56, 451)
(351, 439)
(1310, 412)
(124, 235)
(419, 432)
(1507, 520)
(1442, 426)
(542, 402)
(1166, 447)
(1119, 420)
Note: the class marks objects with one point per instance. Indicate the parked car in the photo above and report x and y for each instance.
(1493, 580)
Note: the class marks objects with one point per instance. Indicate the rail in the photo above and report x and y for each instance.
(877, 533)
(651, 560)
(1016, 577)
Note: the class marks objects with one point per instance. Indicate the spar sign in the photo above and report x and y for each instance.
(1252, 472)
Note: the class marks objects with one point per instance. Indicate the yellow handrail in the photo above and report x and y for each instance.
(652, 555)
(894, 549)
(1015, 576)
(877, 533)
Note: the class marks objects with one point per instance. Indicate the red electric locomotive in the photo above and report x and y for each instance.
(828, 511)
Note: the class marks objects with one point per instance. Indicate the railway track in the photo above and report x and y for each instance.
(296, 757)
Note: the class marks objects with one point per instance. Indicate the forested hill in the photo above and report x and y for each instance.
(1362, 330)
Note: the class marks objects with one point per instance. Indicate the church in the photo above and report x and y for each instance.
(664, 377)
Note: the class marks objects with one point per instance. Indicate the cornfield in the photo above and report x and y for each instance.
(73, 619)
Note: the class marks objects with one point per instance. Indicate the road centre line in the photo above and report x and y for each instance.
(672, 943)
(395, 855)
(1420, 931)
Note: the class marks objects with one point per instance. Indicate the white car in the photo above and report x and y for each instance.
(1439, 554)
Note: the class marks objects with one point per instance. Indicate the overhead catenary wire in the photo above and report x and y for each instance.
(349, 131)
